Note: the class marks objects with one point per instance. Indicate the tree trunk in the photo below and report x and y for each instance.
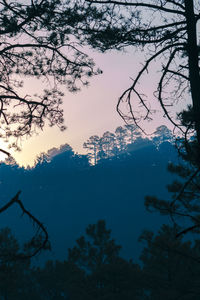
(192, 49)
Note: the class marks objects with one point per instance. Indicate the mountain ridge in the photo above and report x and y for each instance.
(68, 193)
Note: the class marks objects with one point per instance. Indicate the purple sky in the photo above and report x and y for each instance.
(93, 109)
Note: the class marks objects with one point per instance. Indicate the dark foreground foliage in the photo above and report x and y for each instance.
(94, 269)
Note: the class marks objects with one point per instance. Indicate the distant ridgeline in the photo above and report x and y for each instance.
(68, 191)
(125, 139)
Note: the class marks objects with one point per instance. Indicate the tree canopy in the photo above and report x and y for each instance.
(43, 39)
(168, 270)
(38, 40)
(167, 31)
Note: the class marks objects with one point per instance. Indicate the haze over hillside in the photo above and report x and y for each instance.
(67, 193)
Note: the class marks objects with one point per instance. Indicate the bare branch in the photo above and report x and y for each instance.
(5, 152)
(129, 91)
(45, 241)
(189, 229)
(160, 87)
(138, 4)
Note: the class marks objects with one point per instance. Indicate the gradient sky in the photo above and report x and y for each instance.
(93, 109)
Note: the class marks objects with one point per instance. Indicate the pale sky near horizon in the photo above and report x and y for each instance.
(93, 109)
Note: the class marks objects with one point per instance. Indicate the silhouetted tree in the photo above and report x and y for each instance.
(167, 31)
(98, 250)
(38, 42)
(14, 273)
(170, 268)
(108, 143)
(92, 145)
(162, 134)
(101, 155)
(60, 280)
(121, 135)
(118, 280)
(108, 276)
(133, 131)
(185, 192)
(42, 158)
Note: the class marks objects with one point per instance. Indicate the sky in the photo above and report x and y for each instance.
(92, 110)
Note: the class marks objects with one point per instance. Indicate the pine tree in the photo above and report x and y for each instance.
(92, 146)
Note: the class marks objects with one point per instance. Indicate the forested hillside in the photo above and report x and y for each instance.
(66, 192)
